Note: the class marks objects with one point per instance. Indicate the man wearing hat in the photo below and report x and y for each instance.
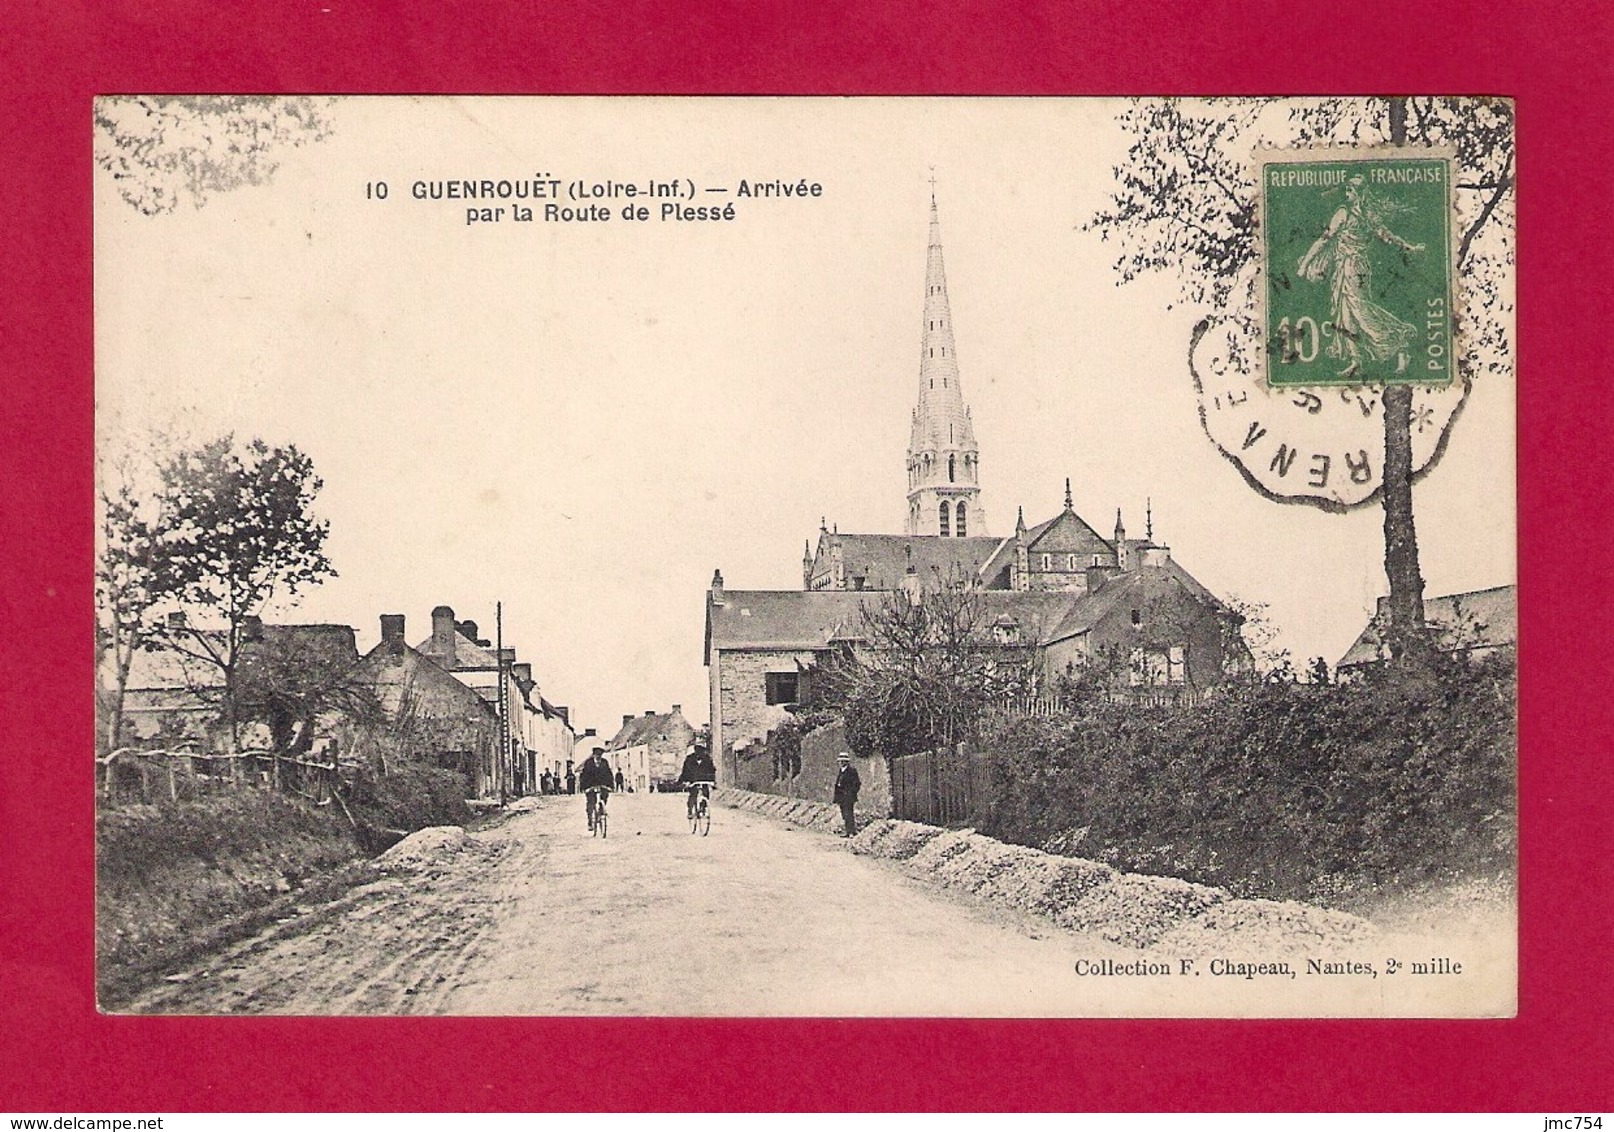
(847, 784)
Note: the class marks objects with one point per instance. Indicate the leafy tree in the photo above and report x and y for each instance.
(288, 685)
(130, 582)
(925, 670)
(161, 150)
(1185, 203)
(239, 533)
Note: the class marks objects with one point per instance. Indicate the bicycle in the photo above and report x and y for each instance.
(700, 815)
(597, 823)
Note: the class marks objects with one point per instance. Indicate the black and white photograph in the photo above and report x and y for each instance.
(847, 557)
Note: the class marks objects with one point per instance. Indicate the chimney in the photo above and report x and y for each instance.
(392, 626)
(910, 580)
(469, 629)
(176, 621)
(252, 627)
(717, 587)
(648, 712)
(677, 708)
(627, 719)
(589, 732)
(523, 675)
(1098, 575)
(443, 634)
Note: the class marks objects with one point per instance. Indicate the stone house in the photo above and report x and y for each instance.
(539, 732)
(426, 713)
(174, 694)
(649, 749)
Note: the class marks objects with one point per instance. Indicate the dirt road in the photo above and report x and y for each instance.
(536, 917)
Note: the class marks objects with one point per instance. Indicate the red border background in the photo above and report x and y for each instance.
(57, 1054)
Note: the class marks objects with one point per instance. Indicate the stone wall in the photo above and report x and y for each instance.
(770, 766)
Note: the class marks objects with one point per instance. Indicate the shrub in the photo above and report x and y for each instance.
(408, 797)
(1275, 789)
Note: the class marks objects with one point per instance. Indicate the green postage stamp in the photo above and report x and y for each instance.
(1356, 247)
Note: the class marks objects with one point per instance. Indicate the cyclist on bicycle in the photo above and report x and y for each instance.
(699, 775)
(595, 780)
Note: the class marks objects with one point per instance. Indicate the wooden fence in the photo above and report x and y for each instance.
(130, 775)
(940, 787)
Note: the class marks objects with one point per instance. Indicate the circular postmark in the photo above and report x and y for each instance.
(1321, 446)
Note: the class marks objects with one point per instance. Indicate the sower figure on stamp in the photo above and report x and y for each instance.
(847, 784)
(1362, 330)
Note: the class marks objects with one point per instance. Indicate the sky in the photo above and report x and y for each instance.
(584, 420)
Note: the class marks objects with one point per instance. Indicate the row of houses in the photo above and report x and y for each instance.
(453, 699)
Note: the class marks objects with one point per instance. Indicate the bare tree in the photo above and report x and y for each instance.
(927, 667)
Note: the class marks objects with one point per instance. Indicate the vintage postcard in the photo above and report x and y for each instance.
(478, 633)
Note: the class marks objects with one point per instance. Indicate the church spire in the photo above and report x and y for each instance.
(943, 461)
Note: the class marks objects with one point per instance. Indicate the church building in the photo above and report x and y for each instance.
(1058, 586)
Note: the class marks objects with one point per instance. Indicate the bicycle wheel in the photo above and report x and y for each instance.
(599, 822)
(703, 817)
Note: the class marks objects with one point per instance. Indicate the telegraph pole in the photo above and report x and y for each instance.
(504, 693)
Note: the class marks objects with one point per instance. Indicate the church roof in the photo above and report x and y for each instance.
(941, 421)
(882, 560)
(1067, 533)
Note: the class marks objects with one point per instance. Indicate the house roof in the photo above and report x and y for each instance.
(1478, 619)
(785, 619)
(392, 666)
(812, 619)
(647, 728)
(467, 653)
(324, 648)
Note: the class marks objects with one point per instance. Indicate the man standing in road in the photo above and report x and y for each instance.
(847, 784)
(595, 777)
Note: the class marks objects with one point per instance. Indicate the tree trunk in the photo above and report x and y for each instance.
(1405, 633)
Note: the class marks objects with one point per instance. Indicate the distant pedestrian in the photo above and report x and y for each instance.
(847, 784)
(571, 781)
(619, 780)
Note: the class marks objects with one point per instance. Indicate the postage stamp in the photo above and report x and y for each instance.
(1356, 247)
